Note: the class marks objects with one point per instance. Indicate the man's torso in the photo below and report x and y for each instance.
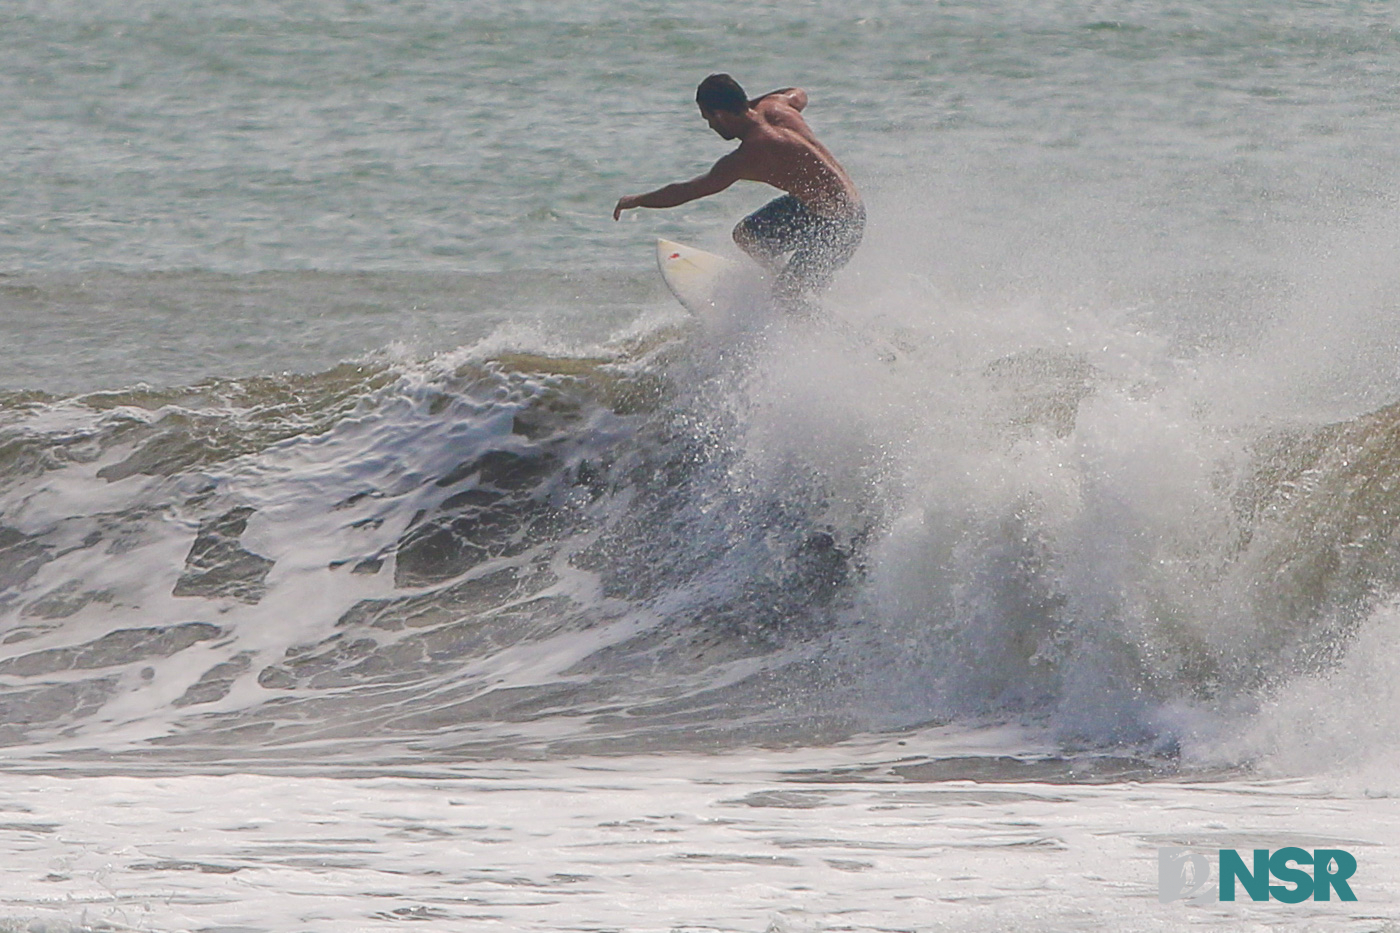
(783, 152)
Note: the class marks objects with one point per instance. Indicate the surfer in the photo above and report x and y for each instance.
(820, 220)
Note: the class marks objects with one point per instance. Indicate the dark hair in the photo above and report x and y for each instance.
(721, 92)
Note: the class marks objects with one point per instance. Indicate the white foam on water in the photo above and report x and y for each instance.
(749, 841)
(1338, 724)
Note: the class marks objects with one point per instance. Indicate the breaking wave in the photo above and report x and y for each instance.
(789, 534)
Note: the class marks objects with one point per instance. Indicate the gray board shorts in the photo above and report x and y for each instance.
(820, 245)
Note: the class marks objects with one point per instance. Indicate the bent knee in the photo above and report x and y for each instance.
(744, 238)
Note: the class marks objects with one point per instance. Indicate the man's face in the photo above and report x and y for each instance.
(717, 123)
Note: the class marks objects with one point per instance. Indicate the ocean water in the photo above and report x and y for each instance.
(381, 543)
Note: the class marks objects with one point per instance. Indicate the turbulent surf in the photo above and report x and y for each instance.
(679, 544)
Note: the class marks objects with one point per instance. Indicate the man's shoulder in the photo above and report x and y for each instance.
(778, 117)
(793, 97)
(774, 103)
(768, 137)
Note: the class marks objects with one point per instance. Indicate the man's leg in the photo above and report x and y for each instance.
(769, 232)
(828, 246)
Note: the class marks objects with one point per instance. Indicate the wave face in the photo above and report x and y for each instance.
(462, 553)
(787, 535)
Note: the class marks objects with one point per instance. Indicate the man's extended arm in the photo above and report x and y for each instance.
(721, 175)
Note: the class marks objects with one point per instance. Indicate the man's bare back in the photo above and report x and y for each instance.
(821, 219)
(782, 151)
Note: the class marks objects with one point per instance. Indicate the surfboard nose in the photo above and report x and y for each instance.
(693, 275)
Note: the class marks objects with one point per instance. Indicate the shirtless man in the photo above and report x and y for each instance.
(820, 220)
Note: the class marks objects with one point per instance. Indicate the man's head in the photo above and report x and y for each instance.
(723, 104)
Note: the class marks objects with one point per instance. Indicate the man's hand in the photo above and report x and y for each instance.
(626, 203)
(722, 174)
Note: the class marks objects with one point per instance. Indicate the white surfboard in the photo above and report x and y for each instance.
(700, 281)
(714, 288)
